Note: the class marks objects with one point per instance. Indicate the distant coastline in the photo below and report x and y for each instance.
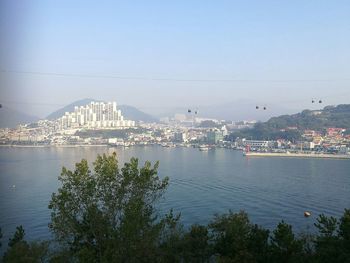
(53, 146)
(247, 154)
(296, 155)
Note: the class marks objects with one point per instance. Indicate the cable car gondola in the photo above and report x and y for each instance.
(315, 101)
(190, 111)
(263, 108)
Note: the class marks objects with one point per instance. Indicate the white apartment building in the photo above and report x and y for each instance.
(256, 143)
(94, 115)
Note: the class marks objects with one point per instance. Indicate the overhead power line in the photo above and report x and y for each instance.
(71, 75)
(31, 103)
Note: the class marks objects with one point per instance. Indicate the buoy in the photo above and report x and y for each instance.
(307, 214)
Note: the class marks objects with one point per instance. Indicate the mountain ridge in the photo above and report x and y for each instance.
(10, 118)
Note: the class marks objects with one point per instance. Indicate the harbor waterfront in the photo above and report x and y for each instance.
(297, 155)
(202, 183)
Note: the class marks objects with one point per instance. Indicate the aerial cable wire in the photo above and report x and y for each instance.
(75, 75)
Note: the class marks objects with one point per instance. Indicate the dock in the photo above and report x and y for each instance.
(297, 155)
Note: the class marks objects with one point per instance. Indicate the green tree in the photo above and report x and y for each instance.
(326, 226)
(196, 244)
(20, 250)
(109, 214)
(344, 227)
(171, 240)
(344, 235)
(17, 237)
(333, 242)
(0, 236)
(327, 243)
(236, 239)
(285, 247)
(258, 244)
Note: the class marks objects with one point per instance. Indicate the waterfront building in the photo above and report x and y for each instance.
(256, 143)
(214, 136)
(180, 137)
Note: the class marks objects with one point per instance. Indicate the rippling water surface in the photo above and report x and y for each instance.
(201, 184)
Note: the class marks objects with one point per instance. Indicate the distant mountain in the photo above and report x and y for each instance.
(70, 107)
(134, 114)
(10, 118)
(319, 120)
(129, 112)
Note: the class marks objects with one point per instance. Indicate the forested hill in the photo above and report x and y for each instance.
(330, 116)
(281, 127)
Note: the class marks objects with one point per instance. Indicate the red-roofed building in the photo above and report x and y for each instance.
(333, 132)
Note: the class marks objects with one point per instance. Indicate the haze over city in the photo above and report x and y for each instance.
(160, 56)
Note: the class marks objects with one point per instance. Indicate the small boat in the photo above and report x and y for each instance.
(168, 145)
(307, 214)
(204, 148)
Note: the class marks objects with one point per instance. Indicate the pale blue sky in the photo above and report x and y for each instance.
(280, 52)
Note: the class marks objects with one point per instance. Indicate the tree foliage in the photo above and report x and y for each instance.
(108, 214)
(20, 250)
(235, 239)
(0, 236)
(333, 243)
(285, 247)
(196, 243)
(17, 237)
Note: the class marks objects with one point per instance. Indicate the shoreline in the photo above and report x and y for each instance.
(53, 146)
(300, 155)
(249, 154)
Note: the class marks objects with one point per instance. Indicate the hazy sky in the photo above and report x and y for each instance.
(161, 54)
